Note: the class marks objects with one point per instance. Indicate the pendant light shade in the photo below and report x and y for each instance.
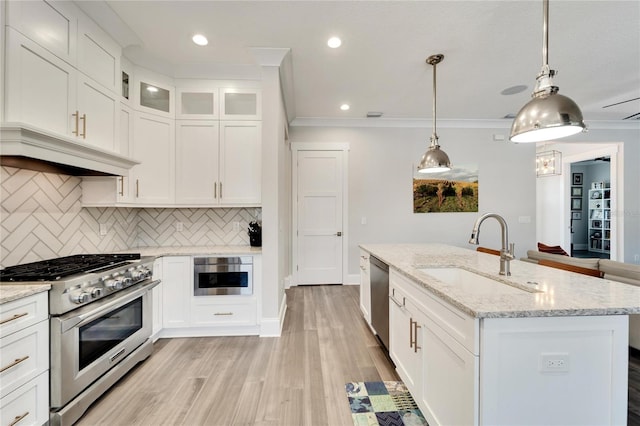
(434, 160)
(548, 115)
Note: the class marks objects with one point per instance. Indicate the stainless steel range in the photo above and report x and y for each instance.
(100, 325)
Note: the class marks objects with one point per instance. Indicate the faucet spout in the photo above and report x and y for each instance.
(507, 251)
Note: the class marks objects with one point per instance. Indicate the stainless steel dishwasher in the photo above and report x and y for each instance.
(380, 299)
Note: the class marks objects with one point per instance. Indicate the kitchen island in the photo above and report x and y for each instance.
(542, 346)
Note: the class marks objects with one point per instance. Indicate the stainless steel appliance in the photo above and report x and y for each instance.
(380, 299)
(100, 324)
(222, 275)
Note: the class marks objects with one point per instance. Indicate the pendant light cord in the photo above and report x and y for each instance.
(545, 34)
(434, 137)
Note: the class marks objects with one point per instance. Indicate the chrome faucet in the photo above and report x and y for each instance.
(507, 252)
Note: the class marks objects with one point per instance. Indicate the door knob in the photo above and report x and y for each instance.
(339, 234)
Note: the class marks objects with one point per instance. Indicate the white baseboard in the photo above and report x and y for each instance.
(353, 279)
(272, 327)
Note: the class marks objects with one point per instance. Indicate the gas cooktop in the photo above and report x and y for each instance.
(62, 267)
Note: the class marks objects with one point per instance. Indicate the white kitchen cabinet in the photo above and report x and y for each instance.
(98, 55)
(157, 300)
(51, 24)
(40, 87)
(227, 311)
(153, 145)
(405, 345)
(365, 286)
(177, 284)
(24, 344)
(47, 92)
(450, 373)
(153, 93)
(240, 104)
(240, 163)
(197, 159)
(197, 104)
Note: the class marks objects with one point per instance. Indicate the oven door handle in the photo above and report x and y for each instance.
(79, 320)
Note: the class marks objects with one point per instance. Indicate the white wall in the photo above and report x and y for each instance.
(381, 162)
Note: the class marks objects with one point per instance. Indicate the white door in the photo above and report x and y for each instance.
(319, 217)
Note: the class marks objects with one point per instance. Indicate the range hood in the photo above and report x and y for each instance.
(28, 147)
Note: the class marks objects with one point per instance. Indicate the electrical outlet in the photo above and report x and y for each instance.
(179, 226)
(363, 220)
(554, 363)
(236, 226)
(103, 229)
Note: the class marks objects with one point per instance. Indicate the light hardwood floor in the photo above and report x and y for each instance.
(297, 379)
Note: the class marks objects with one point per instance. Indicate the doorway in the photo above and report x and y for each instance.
(591, 208)
(319, 184)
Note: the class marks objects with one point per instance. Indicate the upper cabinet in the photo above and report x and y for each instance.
(240, 104)
(197, 104)
(153, 93)
(63, 73)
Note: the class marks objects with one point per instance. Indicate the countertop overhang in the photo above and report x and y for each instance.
(551, 292)
(28, 147)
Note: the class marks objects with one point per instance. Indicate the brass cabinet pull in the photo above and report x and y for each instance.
(410, 332)
(221, 190)
(415, 332)
(84, 126)
(77, 116)
(121, 185)
(223, 313)
(393, 299)
(215, 190)
(16, 419)
(14, 363)
(137, 188)
(14, 317)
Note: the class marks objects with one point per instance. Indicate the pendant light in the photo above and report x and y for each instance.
(434, 160)
(548, 115)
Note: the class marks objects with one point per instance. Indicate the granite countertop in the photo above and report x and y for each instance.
(194, 250)
(9, 292)
(549, 291)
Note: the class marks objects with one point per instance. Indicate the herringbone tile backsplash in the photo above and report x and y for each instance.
(42, 217)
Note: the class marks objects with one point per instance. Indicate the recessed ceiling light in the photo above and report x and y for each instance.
(200, 40)
(345, 107)
(152, 89)
(334, 42)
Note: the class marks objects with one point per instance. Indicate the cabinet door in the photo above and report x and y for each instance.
(240, 104)
(98, 55)
(152, 94)
(177, 287)
(197, 162)
(53, 25)
(405, 347)
(240, 162)
(99, 113)
(450, 385)
(154, 146)
(40, 88)
(197, 104)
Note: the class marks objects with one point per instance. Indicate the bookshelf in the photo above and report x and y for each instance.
(600, 217)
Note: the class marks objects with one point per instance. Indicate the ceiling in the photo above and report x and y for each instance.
(488, 46)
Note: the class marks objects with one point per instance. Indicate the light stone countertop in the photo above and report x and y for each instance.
(557, 292)
(9, 292)
(160, 251)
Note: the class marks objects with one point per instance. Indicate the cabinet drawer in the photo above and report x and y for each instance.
(21, 313)
(456, 323)
(224, 314)
(28, 405)
(25, 354)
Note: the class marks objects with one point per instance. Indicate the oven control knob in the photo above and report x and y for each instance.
(126, 281)
(115, 284)
(96, 292)
(140, 274)
(80, 298)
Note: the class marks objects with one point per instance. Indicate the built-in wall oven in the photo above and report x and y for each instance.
(100, 325)
(223, 276)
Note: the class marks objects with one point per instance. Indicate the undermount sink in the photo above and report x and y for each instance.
(471, 282)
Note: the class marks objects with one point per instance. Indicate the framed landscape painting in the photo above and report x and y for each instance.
(447, 192)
